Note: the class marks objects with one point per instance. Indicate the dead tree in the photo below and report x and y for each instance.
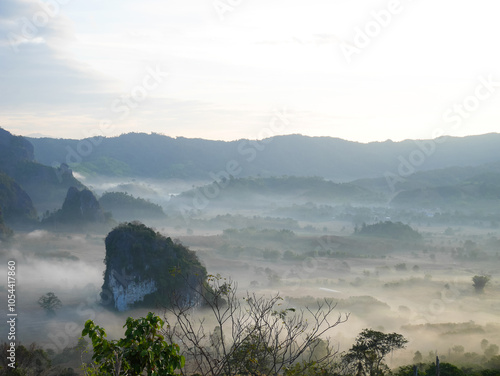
(252, 335)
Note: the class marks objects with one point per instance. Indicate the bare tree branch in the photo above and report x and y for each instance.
(252, 335)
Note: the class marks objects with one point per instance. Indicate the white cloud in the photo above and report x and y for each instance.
(225, 76)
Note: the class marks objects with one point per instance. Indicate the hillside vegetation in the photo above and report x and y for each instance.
(15, 202)
(150, 262)
(388, 229)
(46, 186)
(157, 156)
(127, 207)
(260, 191)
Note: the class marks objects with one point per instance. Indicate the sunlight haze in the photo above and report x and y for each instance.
(67, 67)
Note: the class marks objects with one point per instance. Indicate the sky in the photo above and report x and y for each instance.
(360, 70)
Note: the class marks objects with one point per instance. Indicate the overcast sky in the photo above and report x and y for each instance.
(355, 69)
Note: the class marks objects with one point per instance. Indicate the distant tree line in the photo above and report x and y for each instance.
(388, 229)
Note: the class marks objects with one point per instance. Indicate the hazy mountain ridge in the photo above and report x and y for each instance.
(453, 187)
(433, 178)
(265, 191)
(480, 190)
(157, 156)
(127, 207)
(293, 167)
(46, 186)
(14, 149)
(79, 209)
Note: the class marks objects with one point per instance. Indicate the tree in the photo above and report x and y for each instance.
(484, 343)
(143, 349)
(491, 351)
(50, 303)
(494, 363)
(479, 282)
(445, 369)
(366, 356)
(409, 370)
(29, 360)
(417, 358)
(253, 335)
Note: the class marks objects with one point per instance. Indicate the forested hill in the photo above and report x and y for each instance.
(157, 156)
(45, 185)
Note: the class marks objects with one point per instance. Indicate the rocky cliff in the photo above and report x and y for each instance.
(5, 232)
(45, 185)
(145, 268)
(15, 203)
(79, 208)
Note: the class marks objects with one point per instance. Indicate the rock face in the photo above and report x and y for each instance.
(15, 203)
(129, 293)
(79, 207)
(144, 268)
(5, 232)
(45, 185)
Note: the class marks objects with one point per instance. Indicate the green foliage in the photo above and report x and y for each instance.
(388, 229)
(30, 360)
(44, 186)
(194, 158)
(491, 351)
(312, 368)
(253, 356)
(494, 363)
(123, 205)
(490, 372)
(445, 369)
(409, 370)
(139, 253)
(71, 355)
(368, 353)
(143, 349)
(50, 303)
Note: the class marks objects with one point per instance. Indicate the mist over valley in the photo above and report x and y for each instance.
(396, 253)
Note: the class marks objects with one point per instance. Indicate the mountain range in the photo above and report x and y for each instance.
(156, 156)
(27, 186)
(36, 173)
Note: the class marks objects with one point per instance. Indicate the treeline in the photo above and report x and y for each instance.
(388, 229)
(33, 360)
(253, 335)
